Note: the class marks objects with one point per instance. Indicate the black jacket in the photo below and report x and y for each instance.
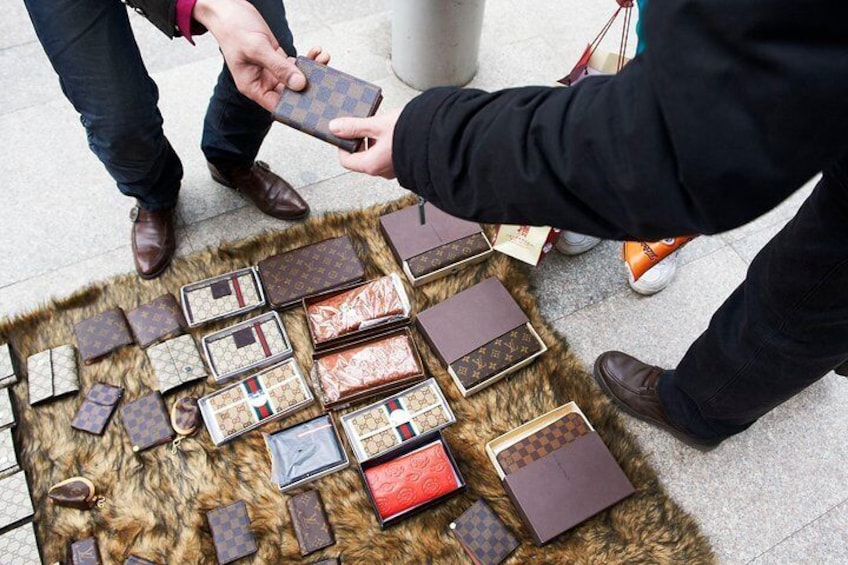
(734, 105)
(161, 13)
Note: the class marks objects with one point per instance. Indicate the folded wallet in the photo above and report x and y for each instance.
(97, 408)
(7, 369)
(85, 552)
(293, 275)
(222, 296)
(329, 94)
(20, 545)
(102, 334)
(157, 320)
(147, 422)
(52, 373)
(252, 344)
(310, 522)
(15, 501)
(483, 536)
(231, 533)
(176, 362)
(7, 413)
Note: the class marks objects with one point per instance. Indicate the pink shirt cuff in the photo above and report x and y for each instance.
(184, 21)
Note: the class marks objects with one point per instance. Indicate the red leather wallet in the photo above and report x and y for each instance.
(411, 480)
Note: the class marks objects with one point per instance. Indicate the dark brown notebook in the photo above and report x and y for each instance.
(329, 94)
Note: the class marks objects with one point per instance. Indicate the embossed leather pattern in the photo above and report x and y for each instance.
(329, 94)
(176, 362)
(545, 441)
(102, 334)
(52, 373)
(20, 546)
(293, 275)
(222, 296)
(448, 254)
(483, 536)
(413, 479)
(15, 501)
(147, 422)
(85, 552)
(310, 522)
(7, 413)
(97, 408)
(7, 369)
(157, 320)
(231, 533)
(496, 356)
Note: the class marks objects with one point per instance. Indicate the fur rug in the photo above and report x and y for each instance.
(157, 501)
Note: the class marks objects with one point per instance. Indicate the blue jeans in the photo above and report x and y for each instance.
(92, 48)
(782, 329)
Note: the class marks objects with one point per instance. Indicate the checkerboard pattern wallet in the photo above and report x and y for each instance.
(19, 545)
(328, 94)
(7, 370)
(147, 422)
(543, 442)
(231, 533)
(102, 334)
(157, 320)
(310, 522)
(97, 408)
(176, 362)
(52, 373)
(483, 536)
(313, 269)
(85, 552)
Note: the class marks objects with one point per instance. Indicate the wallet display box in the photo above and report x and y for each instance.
(439, 247)
(247, 346)
(269, 395)
(362, 369)
(222, 296)
(305, 452)
(480, 335)
(346, 315)
(557, 472)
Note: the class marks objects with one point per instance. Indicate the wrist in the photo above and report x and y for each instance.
(210, 12)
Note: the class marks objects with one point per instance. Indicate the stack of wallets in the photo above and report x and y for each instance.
(17, 503)
(7, 368)
(222, 296)
(290, 277)
(247, 346)
(157, 320)
(480, 335)
(102, 334)
(20, 546)
(305, 452)
(557, 472)
(365, 368)
(230, 526)
(85, 552)
(52, 374)
(440, 246)
(365, 309)
(483, 535)
(311, 527)
(261, 398)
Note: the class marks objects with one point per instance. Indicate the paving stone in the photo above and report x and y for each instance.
(824, 541)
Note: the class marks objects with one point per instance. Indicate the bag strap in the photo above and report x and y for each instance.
(593, 46)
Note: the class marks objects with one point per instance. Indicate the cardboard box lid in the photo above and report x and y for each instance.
(409, 237)
(555, 493)
(471, 319)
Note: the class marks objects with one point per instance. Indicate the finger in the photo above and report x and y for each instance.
(314, 52)
(323, 58)
(351, 128)
(280, 65)
(359, 162)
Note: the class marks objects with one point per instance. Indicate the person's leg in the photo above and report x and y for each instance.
(782, 329)
(91, 47)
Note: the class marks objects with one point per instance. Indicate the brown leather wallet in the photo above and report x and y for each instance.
(147, 422)
(102, 334)
(157, 320)
(309, 519)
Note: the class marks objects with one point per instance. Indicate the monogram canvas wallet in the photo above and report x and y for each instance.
(7, 369)
(157, 320)
(147, 422)
(20, 546)
(310, 522)
(97, 408)
(7, 413)
(231, 533)
(483, 536)
(85, 552)
(102, 334)
(293, 275)
(328, 94)
(176, 362)
(15, 501)
(8, 453)
(52, 373)
(222, 296)
(252, 344)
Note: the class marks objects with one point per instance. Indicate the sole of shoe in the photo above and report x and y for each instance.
(701, 445)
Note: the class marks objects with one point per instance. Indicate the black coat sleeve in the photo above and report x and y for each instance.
(161, 13)
(734, 105)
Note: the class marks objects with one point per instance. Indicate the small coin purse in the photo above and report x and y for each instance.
(157, 320)
(231, 533)
(146, 421)
(102, 334)
(97, 408)
(176, 362)
(7, 369)
(76, 492)
(52, 373)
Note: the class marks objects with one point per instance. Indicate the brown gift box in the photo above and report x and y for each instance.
(412, 241)
(470, 320)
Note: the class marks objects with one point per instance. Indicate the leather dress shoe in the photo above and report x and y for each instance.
(267, 190)
(153, 241)
(632, 385)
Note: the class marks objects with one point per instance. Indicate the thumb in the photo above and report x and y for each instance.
(282, 67)
(352, 128)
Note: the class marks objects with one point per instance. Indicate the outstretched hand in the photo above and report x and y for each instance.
(376, 160)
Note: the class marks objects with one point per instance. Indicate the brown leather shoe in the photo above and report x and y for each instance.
(632, 385)
(153, 241)
(270, 192)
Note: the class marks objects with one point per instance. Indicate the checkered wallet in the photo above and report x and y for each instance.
(328, 94)
(176, 362)
(52, 373)
(483, 536)
(147, 422)
(20, 546)
(231, 533)
(543, 442)
(7, 369)
(102, 334)
(15, 500)
(85, 552)
(97, 408)
(7, 412)
(157, 320)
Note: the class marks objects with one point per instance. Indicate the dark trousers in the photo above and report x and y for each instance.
(782, 329)
(92, 48)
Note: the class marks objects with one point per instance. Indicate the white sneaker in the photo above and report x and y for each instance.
(656, 278)
(573, 243)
